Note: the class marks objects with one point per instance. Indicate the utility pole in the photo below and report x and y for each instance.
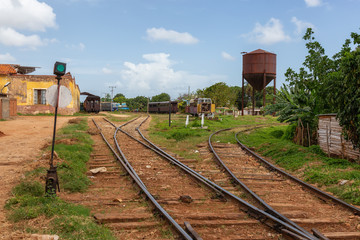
(189, 98)
(52, 181)
(169, 112)
(112, 95)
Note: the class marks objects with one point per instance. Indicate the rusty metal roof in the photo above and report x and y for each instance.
(7, 69)
(259, 51)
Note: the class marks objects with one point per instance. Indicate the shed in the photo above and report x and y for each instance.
(331, 140)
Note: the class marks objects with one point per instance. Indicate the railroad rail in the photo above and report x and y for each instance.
(337, 229)
(264, 217)
(123, 161)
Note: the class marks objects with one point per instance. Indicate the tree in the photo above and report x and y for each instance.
(138, 103)
(120, 98)
(345, 89)
(324, 85)
(162, 97)
(107, 98)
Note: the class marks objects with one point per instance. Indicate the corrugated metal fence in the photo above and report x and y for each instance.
(331, 140)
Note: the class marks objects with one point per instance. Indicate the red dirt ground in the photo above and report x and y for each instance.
(21, 141)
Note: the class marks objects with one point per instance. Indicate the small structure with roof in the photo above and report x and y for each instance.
(30, 90)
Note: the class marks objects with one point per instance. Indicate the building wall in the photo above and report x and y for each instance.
(22, 88)
(3, 80)
(331, 140)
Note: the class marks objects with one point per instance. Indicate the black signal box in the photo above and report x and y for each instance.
(59, 68)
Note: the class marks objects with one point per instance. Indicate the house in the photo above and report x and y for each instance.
(30, 90)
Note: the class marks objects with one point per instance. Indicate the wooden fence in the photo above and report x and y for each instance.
(331, 140)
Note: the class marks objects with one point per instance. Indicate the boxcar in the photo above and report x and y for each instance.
(163, 107)
(200, 106)
(91, 103)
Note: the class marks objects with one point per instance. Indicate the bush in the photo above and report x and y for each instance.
(179, 135)
(277, 133)
(34, 189)
(289, 132)
(317, 150)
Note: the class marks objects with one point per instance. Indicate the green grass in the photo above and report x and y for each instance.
(73, 168)
(183, 140)
(69, 221)
(308, 162)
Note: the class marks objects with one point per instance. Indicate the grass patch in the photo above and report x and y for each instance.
(29, 201)
(309, 162)
(183, 140)
(73, 168)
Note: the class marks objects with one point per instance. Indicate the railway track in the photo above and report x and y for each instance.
(262, 183)
(113, 197)
(198, 203)
(184, 198)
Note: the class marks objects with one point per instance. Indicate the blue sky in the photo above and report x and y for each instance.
(146, 47)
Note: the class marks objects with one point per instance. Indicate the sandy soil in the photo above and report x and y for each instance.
(21, 141)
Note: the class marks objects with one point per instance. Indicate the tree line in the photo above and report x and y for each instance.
(323, 85)
(220, 93)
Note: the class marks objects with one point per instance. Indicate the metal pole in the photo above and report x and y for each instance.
(264, 90)
(242, 98)
(52, 181)
(147, 106)
(274, 90)
(55, 119)
(112, 94)
(253, 98)
(170, 112)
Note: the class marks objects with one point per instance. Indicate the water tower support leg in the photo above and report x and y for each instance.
(253, 98)
(242, 98)
(264, 91)
(274, 90)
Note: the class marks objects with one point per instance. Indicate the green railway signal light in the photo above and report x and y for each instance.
(59, 68)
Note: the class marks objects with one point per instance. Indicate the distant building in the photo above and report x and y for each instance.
(30, 90)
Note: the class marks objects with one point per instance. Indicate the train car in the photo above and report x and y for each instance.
(163, 107)
(200, 106)
(91, 103)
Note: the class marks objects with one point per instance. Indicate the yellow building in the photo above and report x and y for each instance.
(30, 90)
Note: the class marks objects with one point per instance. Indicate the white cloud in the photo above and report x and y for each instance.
(301, 26)
(80, 46)
(313, 3)
(107, 70)
(170, 35)
(29, 15)
(10, 37)
(6, 58)
(227, 56)
(272, 32)
(158, 75)
(26, 15)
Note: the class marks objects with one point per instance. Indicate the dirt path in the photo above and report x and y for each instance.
(20, 145)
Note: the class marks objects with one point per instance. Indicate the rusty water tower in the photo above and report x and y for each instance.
(259, 69)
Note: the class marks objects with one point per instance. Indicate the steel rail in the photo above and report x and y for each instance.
(218, 193)
(143, 188)
(315, 190)
(259, 200)
(187, 225)
(253, 211)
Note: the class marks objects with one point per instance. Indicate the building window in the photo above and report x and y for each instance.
(39, 96)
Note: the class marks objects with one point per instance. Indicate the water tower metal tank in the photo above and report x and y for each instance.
(259, 69)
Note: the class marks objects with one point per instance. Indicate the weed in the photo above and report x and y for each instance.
(310, 162)
(277, 133)
(69, 221)
(79, 227)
